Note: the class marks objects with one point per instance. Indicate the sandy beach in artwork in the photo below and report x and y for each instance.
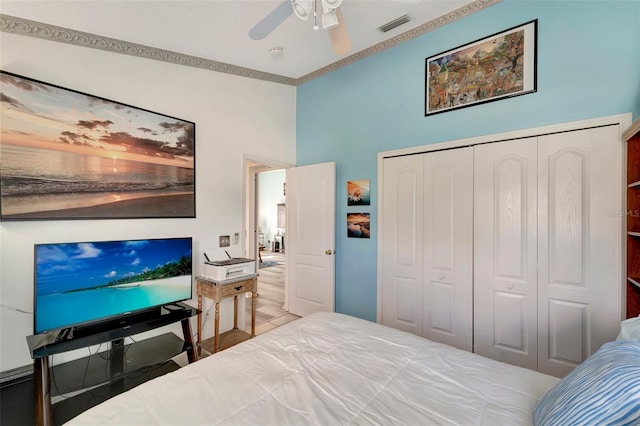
(180, 205)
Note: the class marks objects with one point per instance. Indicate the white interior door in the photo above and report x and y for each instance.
(402, 229)
(447, 295)
(579, 245)
(505, 295)
(311, 238)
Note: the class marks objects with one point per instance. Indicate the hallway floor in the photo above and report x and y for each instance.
(269, 311)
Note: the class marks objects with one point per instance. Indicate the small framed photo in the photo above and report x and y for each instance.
(358, 193)
(499, 66)
(358, 225)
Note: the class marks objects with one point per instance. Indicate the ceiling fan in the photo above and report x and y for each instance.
(331, 20)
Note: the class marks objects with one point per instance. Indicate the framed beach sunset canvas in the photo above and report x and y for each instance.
(69, 155)
(358, 225)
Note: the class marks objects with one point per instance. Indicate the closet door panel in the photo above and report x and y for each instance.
(510, 321)
(568, 322)
(405, 309)
(505, 203)
(568, 198)
(448, 247)
(402, 228)
(439, 309)
(579, 245)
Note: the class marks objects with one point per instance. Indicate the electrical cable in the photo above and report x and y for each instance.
(16, 309)
(84, 378)
(204, 321)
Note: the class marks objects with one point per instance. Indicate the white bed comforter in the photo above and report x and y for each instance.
(332, 369)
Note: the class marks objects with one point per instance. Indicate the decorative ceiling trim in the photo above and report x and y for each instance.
(25, 27)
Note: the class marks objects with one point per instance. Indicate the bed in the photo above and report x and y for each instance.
(333, 369)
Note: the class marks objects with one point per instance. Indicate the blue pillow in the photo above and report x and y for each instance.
(603, 390)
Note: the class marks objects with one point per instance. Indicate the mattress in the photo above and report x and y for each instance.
(332, 369)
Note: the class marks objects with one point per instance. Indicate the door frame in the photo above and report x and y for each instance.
(623, 120)
(252, 165)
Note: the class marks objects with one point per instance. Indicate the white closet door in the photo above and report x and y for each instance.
(402, 228)
(579, 245)
(505, 312)
(447, 295)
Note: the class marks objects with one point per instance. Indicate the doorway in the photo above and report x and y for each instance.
(265, 200)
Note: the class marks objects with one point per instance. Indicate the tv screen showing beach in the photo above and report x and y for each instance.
(69, 155)
(81, 283)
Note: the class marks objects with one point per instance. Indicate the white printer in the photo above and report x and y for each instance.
(236, 267)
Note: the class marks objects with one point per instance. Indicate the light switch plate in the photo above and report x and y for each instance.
(225, 241)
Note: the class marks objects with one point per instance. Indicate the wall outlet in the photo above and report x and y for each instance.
(224, 241)
(236, 238)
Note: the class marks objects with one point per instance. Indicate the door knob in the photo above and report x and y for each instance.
(328, 252)
(510, 286)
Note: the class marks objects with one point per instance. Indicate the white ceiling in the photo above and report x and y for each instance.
(218, 29)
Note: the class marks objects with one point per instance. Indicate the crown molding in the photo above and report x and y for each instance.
(25, 27)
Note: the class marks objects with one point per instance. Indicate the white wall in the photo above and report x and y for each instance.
(270, 194)
(234, 117)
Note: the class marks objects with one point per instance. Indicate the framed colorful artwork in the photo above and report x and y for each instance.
(496, 67)
(358, 225)
(358, 193)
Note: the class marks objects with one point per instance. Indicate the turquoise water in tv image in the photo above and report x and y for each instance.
(78, 283)
(60, 309)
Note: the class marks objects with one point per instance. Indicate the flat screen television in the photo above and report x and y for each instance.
(86, 283)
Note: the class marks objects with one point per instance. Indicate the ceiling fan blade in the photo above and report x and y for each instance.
(271, 21)
(339, 36)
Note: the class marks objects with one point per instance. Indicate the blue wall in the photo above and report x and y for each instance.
(588, 66)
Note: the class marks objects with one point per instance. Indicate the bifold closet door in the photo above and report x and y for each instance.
(447, 293)
(427, 250)
(402, 235)
(505, 197)
(579, 245)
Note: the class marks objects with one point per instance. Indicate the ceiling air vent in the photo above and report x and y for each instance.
(395, 23)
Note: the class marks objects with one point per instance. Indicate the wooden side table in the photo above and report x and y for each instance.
(216, 291)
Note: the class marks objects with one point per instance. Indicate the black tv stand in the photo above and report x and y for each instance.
(173, 307)
(112, 367)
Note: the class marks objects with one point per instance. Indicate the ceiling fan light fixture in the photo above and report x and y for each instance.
(332, 4)
(329, 16)
(329, 19)
(302, 8)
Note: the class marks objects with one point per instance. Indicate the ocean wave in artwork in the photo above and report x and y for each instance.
(19, 185)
